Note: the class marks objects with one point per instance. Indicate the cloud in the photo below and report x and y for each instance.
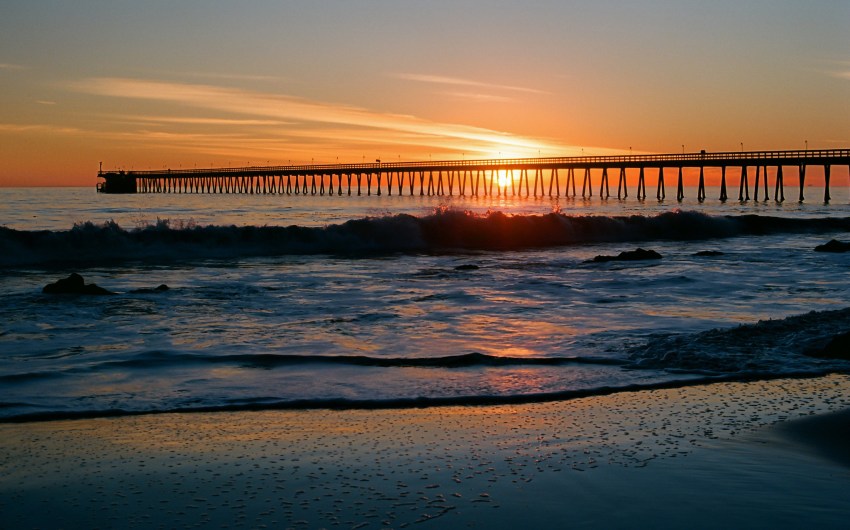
(200, 121)
(38, 128)
(400, 129)
(10, 66)
(484, 98)
(443, 80)
(835, 68)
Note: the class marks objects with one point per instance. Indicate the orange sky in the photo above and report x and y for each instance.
(161, 85)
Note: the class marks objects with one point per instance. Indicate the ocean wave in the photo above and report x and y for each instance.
(766, 347)
(271, 404)
(447, 230)
(157, 360)
(771, 349)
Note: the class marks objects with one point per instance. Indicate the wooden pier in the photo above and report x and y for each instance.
(526, 177)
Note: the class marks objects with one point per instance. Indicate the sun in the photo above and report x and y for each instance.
(503, 178)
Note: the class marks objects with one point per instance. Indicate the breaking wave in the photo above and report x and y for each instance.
(165, 360)
(771, 347)
(88, 243)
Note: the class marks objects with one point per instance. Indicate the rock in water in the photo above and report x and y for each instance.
(629, 255)
(708, 253)
(160, 289)
(838, 347)
(833, 245)
(74, 284)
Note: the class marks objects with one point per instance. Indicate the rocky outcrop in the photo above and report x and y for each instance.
(629, 255)
(838, 347)
(74, 284)
(833, 245)
(160, 289)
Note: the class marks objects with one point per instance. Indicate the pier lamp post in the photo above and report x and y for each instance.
(742, 147)
(807, 145)
(683, 148)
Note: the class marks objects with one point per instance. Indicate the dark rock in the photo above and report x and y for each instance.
(467, 267)
(629, 255)
(838, 347)
(146, 290)
(833, 246)
(703, 253)
(74, 284)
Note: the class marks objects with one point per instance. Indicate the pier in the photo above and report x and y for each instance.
(524, 177)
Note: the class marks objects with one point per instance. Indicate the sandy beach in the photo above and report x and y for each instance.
(744, 455)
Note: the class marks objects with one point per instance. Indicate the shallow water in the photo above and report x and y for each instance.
(255, 309)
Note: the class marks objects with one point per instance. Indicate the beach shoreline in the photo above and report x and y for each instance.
(698, 455)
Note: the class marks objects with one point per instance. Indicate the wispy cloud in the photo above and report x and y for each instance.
(475, 96)
(38, 128)
(834, 68)
(10, 66)
(200, 121)
(360, 122)
(443, 80)
(45, 102)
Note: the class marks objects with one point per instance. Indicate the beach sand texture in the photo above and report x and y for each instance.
(743, 455)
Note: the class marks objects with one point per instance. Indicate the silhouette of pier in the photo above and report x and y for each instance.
(523, 177)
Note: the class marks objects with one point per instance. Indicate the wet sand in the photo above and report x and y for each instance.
(744, 455)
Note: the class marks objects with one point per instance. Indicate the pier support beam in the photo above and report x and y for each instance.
(661, 192)
(701, 189)
(603, 186)
(641, 191)
(802, 180)
(779, 191)
(723, 195)
(756, 190)
(586, 183)
(745, 185)
(826, 171)
(680, 189)
(553, 179)
(622, 186)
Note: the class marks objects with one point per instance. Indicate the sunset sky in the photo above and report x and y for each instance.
(151, 84)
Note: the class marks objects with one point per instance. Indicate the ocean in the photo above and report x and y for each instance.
(278, 301)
